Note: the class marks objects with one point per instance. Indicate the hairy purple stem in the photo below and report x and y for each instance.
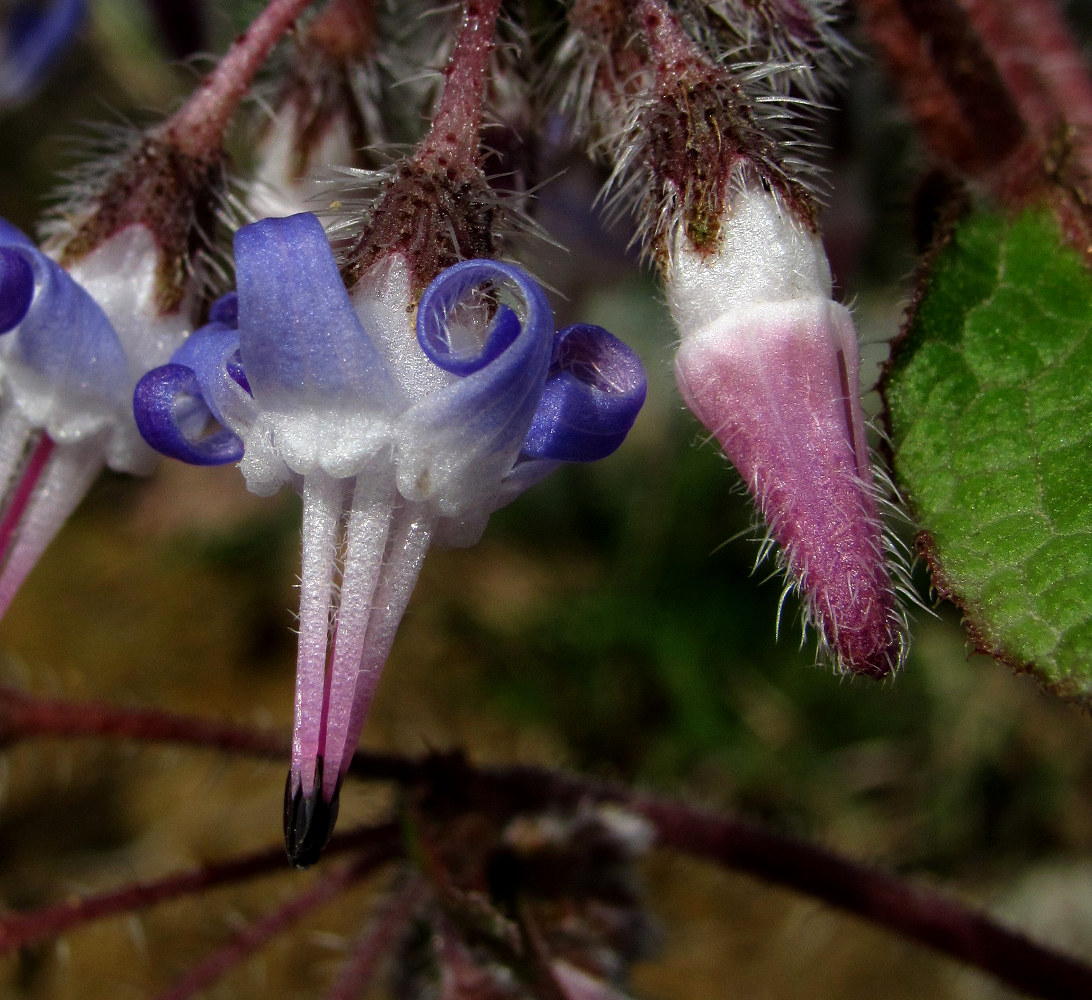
(198, 127)
(24, 716)
(379, 940)
(915, 912)
(18, 930)
(255, 936)
(926, 916)
(458, 118)
(1040, 63)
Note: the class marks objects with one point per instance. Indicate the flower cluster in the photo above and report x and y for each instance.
(411, 382)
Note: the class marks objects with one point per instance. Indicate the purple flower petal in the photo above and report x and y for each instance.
(299, 335)
(36, 39)
(434, 336)
(225, 310)
(594, 392)
(212, 353)
(171, 414)
(65, 337)
(775, 390)
(13, 236)
(460, 442)
(16, 288)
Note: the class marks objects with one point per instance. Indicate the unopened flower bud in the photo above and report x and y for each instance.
(769, 363)
(325, 113)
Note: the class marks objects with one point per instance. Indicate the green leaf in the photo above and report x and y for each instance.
(989, 396)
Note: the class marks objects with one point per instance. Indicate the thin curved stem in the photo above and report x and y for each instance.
(1001, 91)
(254, 936)
(913, 911)
(17, 930)
(198, 126)
(379, 940)
(25, 716)
(458, 118)
(918, 913)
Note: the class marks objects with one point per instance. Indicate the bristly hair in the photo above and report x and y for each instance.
(587, 80)
(684, 158)
(898, 559)
(797, 41)
(126, 176)
(685, 114)
(417, 42)
(435, 220)
(439, 205)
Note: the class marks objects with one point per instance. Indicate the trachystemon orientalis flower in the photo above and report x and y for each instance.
(768, 361)
(407, 390)
(394, 439)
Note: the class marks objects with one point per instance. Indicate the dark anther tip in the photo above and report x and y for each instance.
(308, 821)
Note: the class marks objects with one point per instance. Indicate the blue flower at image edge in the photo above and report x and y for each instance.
(60, 333)
(65, 386)
(31, 43)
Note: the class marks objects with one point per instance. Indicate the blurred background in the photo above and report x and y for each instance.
(610, 622)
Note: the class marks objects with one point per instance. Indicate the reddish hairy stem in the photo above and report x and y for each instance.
(1001, 92)
(675, 58)
(457, 123)
(26, 716)
(18, 930)
(924, 915)
(23, 715)
(254, 936)
(437, 207)
(1042, 67)
(915, 912)
(948, 80)
(379, 940)
(198, 127)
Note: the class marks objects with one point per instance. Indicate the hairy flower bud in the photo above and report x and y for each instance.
(326, 112)
(769, 363)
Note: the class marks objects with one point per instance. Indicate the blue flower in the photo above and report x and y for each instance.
(32, 41)
(72, 345)
(395, 441)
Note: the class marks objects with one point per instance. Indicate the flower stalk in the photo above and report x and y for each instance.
(255, 936)
(22, 930)
(917, 912)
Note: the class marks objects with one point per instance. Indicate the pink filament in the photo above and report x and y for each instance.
(23, 492)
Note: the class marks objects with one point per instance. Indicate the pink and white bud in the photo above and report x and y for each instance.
(769, 363)
(283, 182)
